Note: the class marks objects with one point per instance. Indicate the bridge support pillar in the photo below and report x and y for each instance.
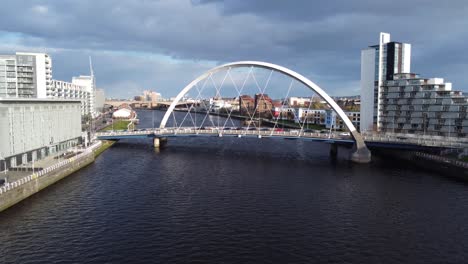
(361, 155)
(333, 150)
(159, 142)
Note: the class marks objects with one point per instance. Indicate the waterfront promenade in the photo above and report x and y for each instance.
(21, 186)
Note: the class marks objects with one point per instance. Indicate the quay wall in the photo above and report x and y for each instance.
(14, 192)
(429, 162)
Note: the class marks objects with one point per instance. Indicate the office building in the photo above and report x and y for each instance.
(378, 64)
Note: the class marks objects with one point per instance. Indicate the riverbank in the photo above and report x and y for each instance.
(270, 122)
(105, 145)
(117, 125)
(14, 192)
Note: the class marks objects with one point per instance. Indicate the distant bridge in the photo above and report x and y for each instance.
(149, 105)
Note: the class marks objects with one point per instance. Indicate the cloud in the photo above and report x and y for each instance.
(162, 44)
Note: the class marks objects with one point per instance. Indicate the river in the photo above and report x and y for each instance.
(239, 200)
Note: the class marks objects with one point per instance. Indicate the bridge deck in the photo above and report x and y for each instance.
(371, 141)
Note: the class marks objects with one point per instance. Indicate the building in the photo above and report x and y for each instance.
(263, 104)
(411, 104)
(25, 75)
(378, 64)
(299, 101)
(32, 129)
(217, 105)
(66, 90)
(246, 105)
(29, 75)
(88, 84)
(151, 96)
(333, 121)
(395, 100)
(312, 116)
(99, 100)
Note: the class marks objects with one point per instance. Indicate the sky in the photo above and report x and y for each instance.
(163, 45)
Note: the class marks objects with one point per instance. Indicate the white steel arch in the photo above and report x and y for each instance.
(361, 155)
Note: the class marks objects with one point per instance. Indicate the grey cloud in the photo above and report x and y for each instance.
(321, 40)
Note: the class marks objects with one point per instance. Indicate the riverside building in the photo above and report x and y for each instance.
(379, 63)
(31, 129)
(29, 75)
(395, 100)
(411, 104)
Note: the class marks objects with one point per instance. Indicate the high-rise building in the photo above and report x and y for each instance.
(25, 75)
(394, 100)
(427, 106)
(29, 75)
(87, 81)
(378, 64)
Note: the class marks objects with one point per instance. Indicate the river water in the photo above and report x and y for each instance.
(231, 200)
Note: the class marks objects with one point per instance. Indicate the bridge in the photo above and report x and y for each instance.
(388, 141)
(360, 152)
(149, 104)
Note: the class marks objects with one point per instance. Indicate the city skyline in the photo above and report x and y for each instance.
(164, 45)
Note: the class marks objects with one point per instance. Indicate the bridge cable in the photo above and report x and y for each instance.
(218, 94)
(262, 91)
(239, 92)
(281, 109)
(262, 94)
(207, 112)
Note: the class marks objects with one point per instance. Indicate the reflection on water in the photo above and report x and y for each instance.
(231, 200)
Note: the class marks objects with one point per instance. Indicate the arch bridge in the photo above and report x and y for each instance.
(360, 154)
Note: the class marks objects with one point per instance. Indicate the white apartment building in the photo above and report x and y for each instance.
(25, 75)
(66, 90)
(378, 64)
(29, 75)
(411, 104)
(299, 101)
(88, 82)
(395, 100)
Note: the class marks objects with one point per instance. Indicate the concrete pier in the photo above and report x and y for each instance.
(159, 142)
(361, 155)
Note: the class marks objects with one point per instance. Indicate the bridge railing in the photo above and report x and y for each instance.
(433, 141)
(9, 186)
(220, 132)
(458, 163)
(430, 141)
